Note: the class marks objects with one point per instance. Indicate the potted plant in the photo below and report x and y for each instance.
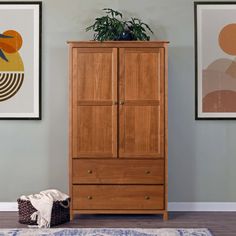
(112, 27)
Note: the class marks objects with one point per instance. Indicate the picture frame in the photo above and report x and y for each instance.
(215, 60)
(20, 60)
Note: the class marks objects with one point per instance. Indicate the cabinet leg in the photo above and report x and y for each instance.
(165, 216)
(71, 215)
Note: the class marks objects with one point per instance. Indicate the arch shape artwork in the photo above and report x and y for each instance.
(215, 64)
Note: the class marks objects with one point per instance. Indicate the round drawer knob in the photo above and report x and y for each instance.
(147, 197)
(148, 172)
(90, 197)
(90, 171)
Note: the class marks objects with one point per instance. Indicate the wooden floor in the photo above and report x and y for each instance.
(219, 223)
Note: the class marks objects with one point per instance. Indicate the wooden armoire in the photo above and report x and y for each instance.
(118, 127)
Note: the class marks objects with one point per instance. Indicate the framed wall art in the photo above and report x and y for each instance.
(215, 60)
(20, 60)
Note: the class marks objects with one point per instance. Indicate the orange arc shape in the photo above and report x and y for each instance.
(11, 45)
(227, 38)
(220, 101)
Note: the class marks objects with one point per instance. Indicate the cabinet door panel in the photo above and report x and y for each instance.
(94, 131)
(141, 111)
(94, 92)
(95, 75)
(142, 131)
(141, 73)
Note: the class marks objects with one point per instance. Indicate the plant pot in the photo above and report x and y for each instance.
(126, 35)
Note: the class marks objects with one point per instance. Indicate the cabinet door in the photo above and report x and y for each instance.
(94, 92)
(141, 109)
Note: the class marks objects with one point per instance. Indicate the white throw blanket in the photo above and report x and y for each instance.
(43, 202)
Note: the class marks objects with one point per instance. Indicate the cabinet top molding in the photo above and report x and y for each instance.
(118, 43)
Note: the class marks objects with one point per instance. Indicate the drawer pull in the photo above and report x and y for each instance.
(90, 197)
(147, 197)
(90, 171)
(148, 172)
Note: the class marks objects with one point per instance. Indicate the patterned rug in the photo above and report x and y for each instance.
(104, 232)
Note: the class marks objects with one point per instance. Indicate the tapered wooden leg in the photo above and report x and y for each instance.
(71, 215)
(165, 216)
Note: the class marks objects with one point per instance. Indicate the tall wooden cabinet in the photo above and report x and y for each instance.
(118, 127)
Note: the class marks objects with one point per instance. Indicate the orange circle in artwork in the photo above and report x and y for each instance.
(11, 45)
(227, 38)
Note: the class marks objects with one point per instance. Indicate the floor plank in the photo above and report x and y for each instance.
(219, 223)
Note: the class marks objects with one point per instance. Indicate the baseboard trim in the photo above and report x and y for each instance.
(172, 206)
(8, 206)
(202, 206)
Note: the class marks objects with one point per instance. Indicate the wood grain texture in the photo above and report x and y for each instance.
(94, 74)
(166, 128)
(70, 123)
(141, 74)
(118, 127)
(142, 132)
(120, 211)
(115, 102)
(118, 44)
(94, 114)
(118, 171)
(127, 197)
(141, 88)
(219, 223)
(94, 132)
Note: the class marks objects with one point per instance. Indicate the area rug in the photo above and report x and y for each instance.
(104, 232)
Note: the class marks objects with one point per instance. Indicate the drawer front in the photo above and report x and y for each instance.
(118, 197)
(118, 171)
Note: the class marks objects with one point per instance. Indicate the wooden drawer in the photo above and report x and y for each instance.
(118, 197)
(118, 171)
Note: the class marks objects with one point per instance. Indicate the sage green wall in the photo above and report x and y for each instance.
(202, 154)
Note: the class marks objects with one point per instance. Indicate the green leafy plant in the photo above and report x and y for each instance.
(112, 27)
(137, 29)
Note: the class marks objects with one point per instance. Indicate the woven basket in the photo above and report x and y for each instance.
(60, 212)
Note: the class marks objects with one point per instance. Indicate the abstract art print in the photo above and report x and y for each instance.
(215, 60)
(20, 60)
